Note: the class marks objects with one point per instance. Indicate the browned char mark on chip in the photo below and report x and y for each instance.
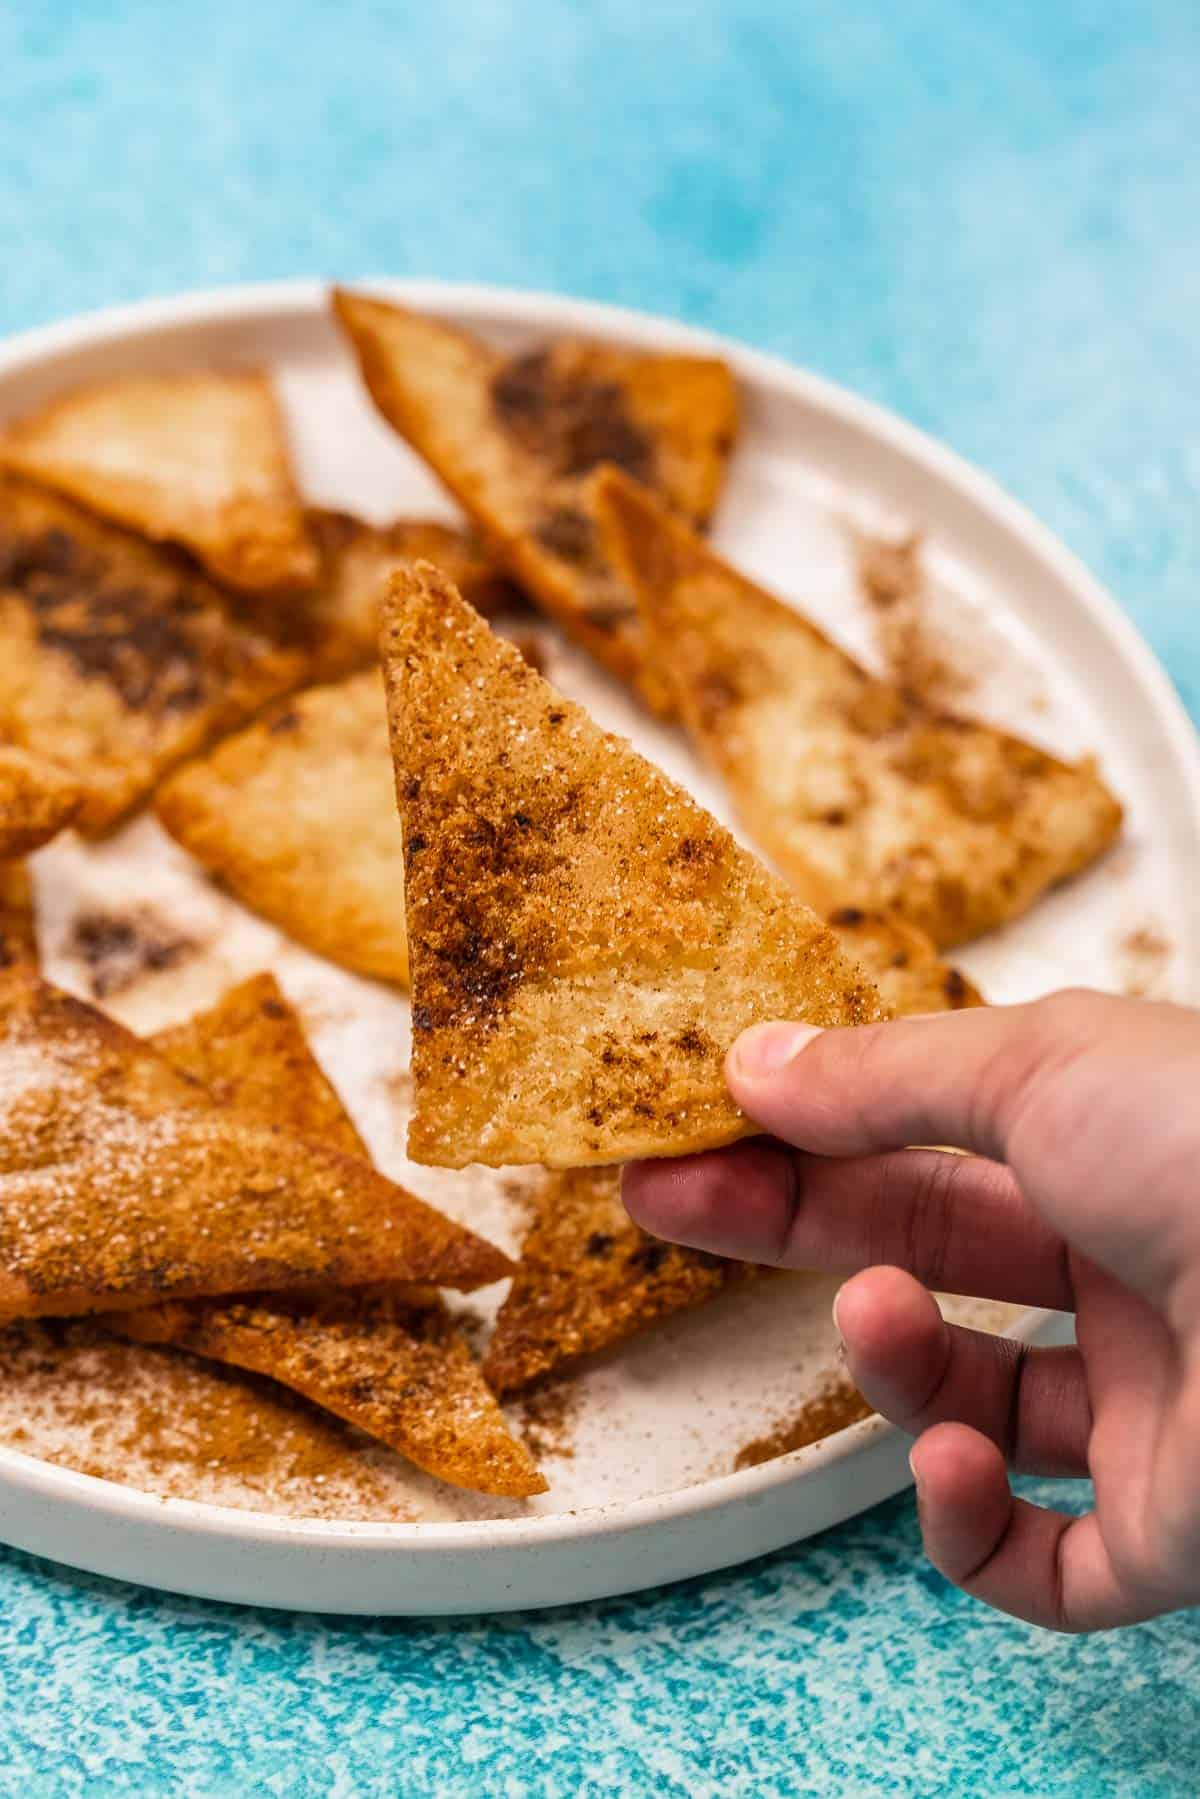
(574, 420)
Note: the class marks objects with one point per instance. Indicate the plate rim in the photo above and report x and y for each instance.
(301, 297)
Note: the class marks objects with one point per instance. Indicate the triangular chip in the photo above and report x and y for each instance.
(356, 559)
(586, 942)
(590, 1278)
(199, 460)
(391, 1364)
(297, 817)
(902, 962)
(398, 1371)
(37, 798)
(516, 438)
(117, 660)
(862, 796)
(121, 1182)
(250, 1051)
(18, 936)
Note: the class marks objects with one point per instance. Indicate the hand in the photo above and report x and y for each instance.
(1083, 1193)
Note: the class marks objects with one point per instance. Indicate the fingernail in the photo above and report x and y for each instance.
(767, 1049)
(912, 1466)
(837, 1323)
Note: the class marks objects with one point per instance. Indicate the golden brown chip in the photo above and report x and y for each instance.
(861, 795)
(37, 798)
(902, 962)
(18, 936)
(297, 817)
(515, 439)
(117, 660)
(590, 1278)
(250, 1051)
(121, 1182)
(586, 941)
(394, 1366)
(400, 1372)
(199, 460)
(356, 559)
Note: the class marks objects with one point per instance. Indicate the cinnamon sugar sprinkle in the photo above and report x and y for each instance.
(891, 574)
(838, 1406)
(167, 1424)
(119, 948)
(1144, 954)
(546, 1419)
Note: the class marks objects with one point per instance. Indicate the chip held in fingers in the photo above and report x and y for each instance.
(122, 1182)
(517, 439)
(389, 1360)
(585, 940)
(859, 793)
(199, 460)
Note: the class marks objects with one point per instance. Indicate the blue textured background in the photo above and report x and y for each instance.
(985, 217)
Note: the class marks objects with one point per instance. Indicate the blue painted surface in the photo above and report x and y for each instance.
(985, 217)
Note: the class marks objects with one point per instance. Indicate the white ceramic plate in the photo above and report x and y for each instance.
(641, 1487)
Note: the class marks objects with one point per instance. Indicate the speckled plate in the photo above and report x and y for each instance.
(642, 1451)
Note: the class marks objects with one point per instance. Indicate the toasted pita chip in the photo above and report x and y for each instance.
(586, 941)
(122, 1183)
(250, 1051)
(515, 439)
(297, 817)
(400, 1372)
(396, 1368)
(198, 460)
(18, 936)
(589, 1278)
(37, 798)
(356, 559)
(116, 659)
(902, 962)
(861, 795)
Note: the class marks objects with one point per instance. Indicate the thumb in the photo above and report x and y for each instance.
(1085, 1097)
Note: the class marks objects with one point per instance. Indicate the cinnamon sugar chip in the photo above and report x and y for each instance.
(902, 962)
(516, 439)
(356, 559)
(297, 817)
(250, 1051)
(121, 1182)
(586, 941)
(590, 1278)
(37, 798)
(390, 1362)
(117, 658)
(863, 795)
(18, 935)
(398, 1371)
(199, 460)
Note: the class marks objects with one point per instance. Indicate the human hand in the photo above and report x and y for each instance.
(1082, 1193)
